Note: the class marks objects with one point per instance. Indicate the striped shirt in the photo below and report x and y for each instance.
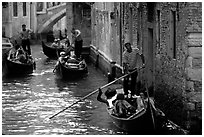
(131, 58)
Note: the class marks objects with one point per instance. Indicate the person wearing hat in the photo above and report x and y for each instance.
(25, 37)
(62, 59)
(78, 42)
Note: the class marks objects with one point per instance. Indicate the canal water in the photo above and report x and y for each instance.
(29, 101)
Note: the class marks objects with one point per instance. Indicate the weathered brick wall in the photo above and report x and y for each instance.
(130, 25)
(194, 64)
(105, 30)
(178, 81)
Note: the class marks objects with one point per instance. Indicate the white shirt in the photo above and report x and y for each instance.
(110, 101)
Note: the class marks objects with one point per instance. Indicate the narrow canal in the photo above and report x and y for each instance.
(29, 101)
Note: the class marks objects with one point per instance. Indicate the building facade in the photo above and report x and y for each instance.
(170, 38)
(33, 14)
(14, 14)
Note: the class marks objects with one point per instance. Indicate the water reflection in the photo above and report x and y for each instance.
(29, 101)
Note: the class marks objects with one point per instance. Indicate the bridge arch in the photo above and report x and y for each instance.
(53, 20)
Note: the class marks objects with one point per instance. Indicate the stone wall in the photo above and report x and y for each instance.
(177, 74)
(178, 80)
(105, 34)
(194, 66)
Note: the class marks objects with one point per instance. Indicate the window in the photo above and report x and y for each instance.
(173, 34)
(15, 9)
(150, 13)
(39, 6)
(158, 27)
(24, 8)
(3, 32)
(4, 4)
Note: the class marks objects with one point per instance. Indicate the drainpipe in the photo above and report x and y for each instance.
(120, 29)
(30, 17)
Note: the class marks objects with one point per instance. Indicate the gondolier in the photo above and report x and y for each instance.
(130, 56)
(78, 42)
(25, 37)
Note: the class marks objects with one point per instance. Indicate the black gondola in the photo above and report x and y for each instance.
(15, 67)
(139, 122)
(51, 52)
(71, 70)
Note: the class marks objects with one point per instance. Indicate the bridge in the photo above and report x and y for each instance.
(50, 16)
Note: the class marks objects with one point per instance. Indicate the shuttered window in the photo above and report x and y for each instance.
(24, 8)
(15, 9)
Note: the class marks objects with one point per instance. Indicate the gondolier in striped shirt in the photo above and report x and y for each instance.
(130, 56)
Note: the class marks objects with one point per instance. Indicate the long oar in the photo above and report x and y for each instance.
(92, 93)
(150, 106)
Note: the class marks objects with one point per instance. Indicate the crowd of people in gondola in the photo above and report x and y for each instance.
(131, 100)
(122, 105)
(22, 53)
(69, 61)
(71, 56)
(64, 43)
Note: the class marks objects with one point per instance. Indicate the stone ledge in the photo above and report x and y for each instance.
(195, 52)
(194, 97)
(194, 39)
(194, 74)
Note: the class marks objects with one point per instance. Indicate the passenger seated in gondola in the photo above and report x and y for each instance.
(21, 56)
(13, 52)
(69, 47)
(62, 59)
(55, 43)
(110, 97)
(123, 109)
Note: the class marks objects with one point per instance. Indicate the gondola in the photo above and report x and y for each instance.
(138, 122)
(51, 52)
(72, 69)
(15, 67)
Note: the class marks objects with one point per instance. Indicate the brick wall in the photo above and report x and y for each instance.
(178, 81)
(194, 64)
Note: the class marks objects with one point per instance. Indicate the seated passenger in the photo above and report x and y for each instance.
(13, 52)
(110, 97)
(55, 43)
(122, 107)
(21, 56)
(69, 47)
(62, 58)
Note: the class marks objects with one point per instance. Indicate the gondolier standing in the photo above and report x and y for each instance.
(130, 56)
(25, 37)
(78, 42)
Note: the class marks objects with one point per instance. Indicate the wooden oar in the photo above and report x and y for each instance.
(150, 106)
(93, 92)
